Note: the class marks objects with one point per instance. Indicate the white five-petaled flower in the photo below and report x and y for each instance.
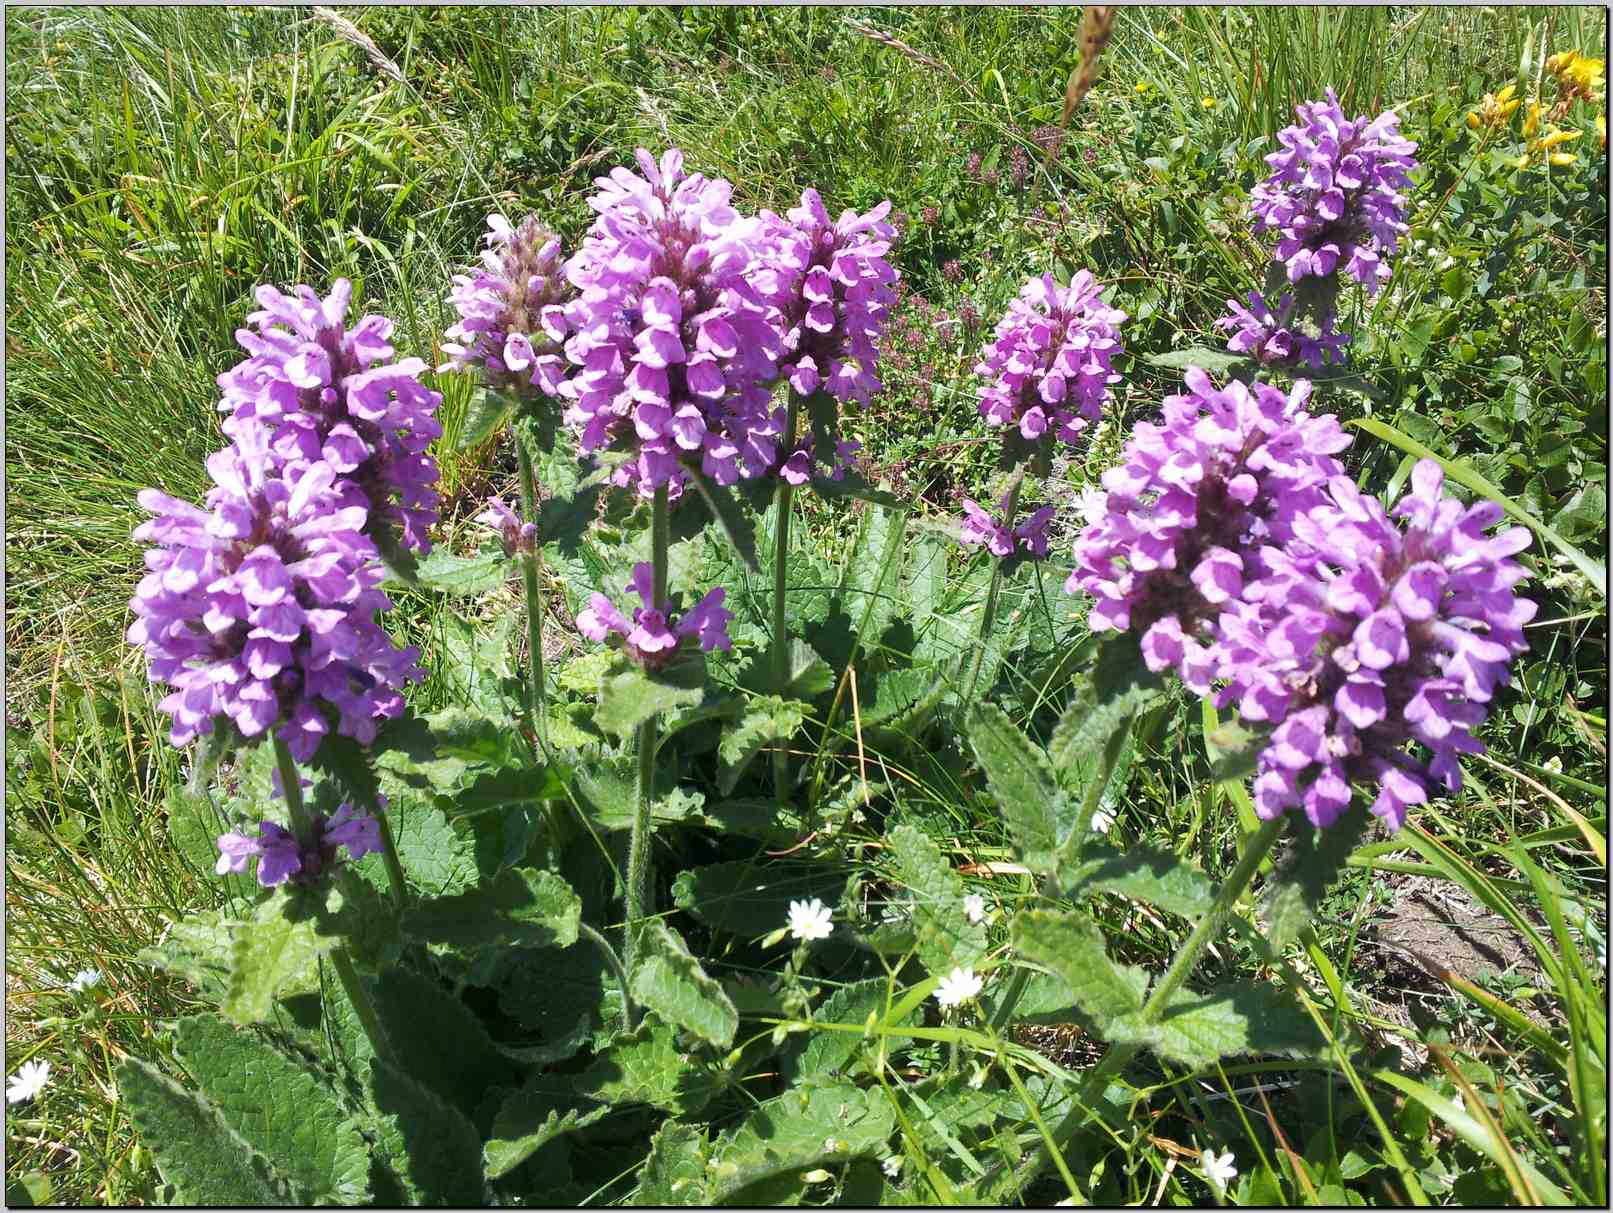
(1218, 1169)
(84, 979)
(892, 1166)
(957, 987)
(810, 920)
(974, 907)
(28, 1081)
(1102, 822)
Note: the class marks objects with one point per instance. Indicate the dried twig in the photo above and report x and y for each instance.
(911, 52)
(349, 32)
(1097, 24)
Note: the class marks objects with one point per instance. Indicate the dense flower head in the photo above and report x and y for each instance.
(1364, 635)
(999, 536)
(281, 857)
(1179, 526)
(1048, 367)
(336, 395)
(652, 637)
(1335, 193)
(512, 316)
(261, 607)
(515, 535)
(674, 352)
(1273, 339)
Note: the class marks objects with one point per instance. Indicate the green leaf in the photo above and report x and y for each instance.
(1217, 362)
(438, 859)
(474, 661)
(194, 826)
(1143, 873)
(1198, 1029)
(197, 948)
(399, 562)
(798, 1130)
(767, 719)
(852, 486)
(630, 696)
(810, 675)
(273, 955)
(828, 1056)
(670, 982)
(645, 1066)
(279, 1108)
(433, 1148)
(444, 750)
(195, 1149)
(451, 574)
(749, 898)
(1021, 780)
(1072, 947)
(737, 526)
(1464, 475)
(526, 1122)
(522, 907)
(1296, 889)
(675, 1171)
(487, 414)
(945, 937)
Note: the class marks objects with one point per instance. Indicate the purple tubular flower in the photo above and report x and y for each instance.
(515, 535)
(674, 349)
(281, 857)
(335, 395)
(1048, 368)
(1334, 195)
(651, 637)
(1365, 635)
(261, 607)
(1269, 339)
(982, 528)
(1180, 525)
(512, 311)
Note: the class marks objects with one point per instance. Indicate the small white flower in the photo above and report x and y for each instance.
(957, 987)
(1218, 1169)
(974, 907)
(892, 1166)
(810, 920)
(84, 979)
(28, 1081)
(1102, 822)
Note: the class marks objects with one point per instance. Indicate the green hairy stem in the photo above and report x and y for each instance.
(638, 847)
(530, 561)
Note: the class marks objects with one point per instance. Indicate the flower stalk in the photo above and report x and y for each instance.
(782, 498)
(537, 706)
(638, 847)
(988, 616)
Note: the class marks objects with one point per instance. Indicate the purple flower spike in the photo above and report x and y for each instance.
(512, 316)
(335, 395)
(1048, 369)
(515, 535)
(1334, 195)
(1176, 532)
(261, 607)
(1367, 635)
(281, 858)
(1270, 338)
(675, 351)
(651, 638)
(982, 528)
(359, 833)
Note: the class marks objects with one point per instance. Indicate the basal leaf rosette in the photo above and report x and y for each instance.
(1180, 526)
(1048, 368)
(512, 318)
(674, 352)
(260, 608)
(1367, 643)
(336, 395)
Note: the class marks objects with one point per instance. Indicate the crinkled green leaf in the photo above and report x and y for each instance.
(749, 898)
(431, 1147)
(1072, 947)
(945, 937)
(450, 574)
(273, 955)
(527, 1121)
(437, 859)
(675, 1171)
(1022, 782)
(798, 1130)
(280, 1108)
(1295, 890)
(1198, 1029)
(554, 990)
(819, 1056)
(442, 751)
(522, 907)
(1217, 362)
(670, 982)
(474, 663)
(487, 414)
(197, 948)
(630, 696)
(767, 719)
(646, 1066)
(738, 527)
(1144, 873)
(195, 1149)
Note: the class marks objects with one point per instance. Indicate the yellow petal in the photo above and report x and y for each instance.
(1472, 121)
(1508, 109)
(1563, 159)
(1506, 93)
(1208, 103)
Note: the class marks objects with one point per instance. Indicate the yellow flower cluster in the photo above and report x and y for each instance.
(1494, 109)
(1577, 74)
(1539, 146)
